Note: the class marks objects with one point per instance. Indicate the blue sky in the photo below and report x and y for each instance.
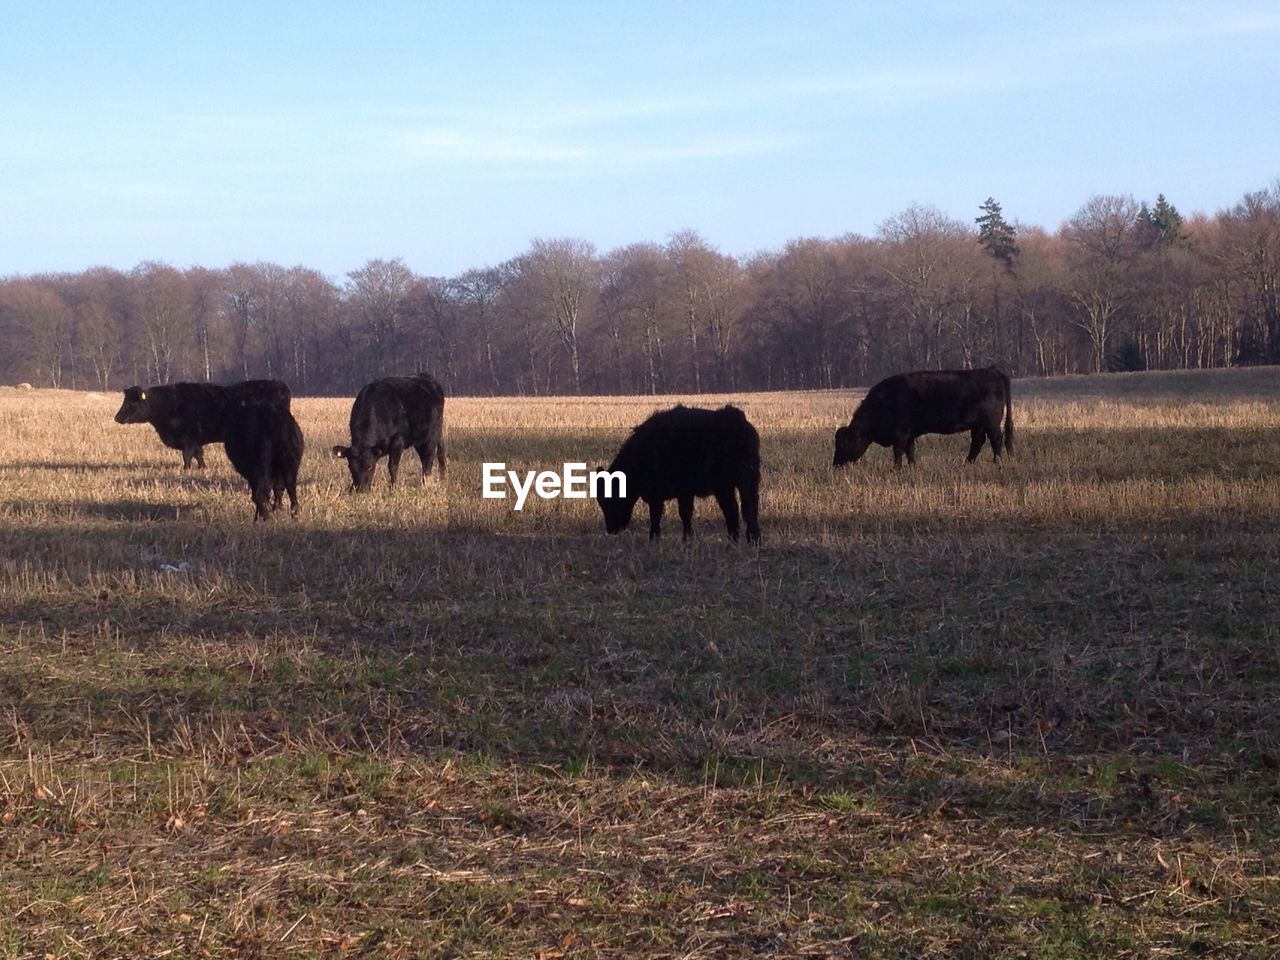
(450, 134)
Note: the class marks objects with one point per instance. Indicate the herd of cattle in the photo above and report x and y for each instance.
(679, 454)
(264, 442)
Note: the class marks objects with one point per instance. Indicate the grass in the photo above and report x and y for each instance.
(1016, 710)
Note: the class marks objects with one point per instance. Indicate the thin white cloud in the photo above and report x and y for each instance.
(444, 145)
(871, 88)
(630, 133)
(1168, 26)
(706, 150)
(505, 151)
(1256, 22)
(894, 87)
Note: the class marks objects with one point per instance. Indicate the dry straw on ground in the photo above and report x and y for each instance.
(1016, 710)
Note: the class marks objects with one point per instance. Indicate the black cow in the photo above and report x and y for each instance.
(688, 452)
(389, 416)
(264, 444)
(900, 408)
(189, 415)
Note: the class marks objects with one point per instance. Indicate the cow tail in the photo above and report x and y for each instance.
(1008, 412)
(440, 454)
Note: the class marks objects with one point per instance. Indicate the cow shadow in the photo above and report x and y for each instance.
(133, 510)
(134, 475)
(185, 481)
(821, 661)
(124, 509)
(16, 466)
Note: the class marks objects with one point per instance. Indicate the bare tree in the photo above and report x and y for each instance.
(100, 307)
(633, 289)
(692, 259)
(1250, 252)
(42, 318)
(240, 310)
(723, 297)
(564, 274)
(803, 295)
(478, 292)
(164, 304)
(311, 314)
(377, 292)
(520, 309)
(436, 318)
(930, 262)
(1039, 303)
(1101, 239)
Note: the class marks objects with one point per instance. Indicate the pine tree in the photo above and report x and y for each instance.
(1168, 223)
(1162, 226)
(999, 240)
(996, 234)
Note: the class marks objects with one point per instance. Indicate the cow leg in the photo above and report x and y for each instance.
(261, 491)
(902, 441)
(393, 462)
(200, 456)
(655, 519)
(911, 451)
(977, 436)
(188, 454)
(426, 455)
(996, 438)
(275, 478)
(729, 507)
(686, 515)
(750, 494)
(291, 485)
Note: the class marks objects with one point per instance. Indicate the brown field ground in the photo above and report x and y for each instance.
(1028, 709)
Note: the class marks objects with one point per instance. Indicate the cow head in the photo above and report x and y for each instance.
(851, 444)
(136, 408)
(617, 510)
(360, 461)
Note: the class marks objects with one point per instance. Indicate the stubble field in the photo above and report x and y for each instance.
(1027, 709)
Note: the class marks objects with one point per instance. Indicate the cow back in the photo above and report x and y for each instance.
(405, 409)
(689, 451)
(929, 401)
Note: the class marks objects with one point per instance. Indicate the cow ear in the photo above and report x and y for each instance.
(341, 452)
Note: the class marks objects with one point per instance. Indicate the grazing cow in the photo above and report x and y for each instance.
(688, 452)
(900, 408)
(389, 416)
(189, 415)
(264, 444)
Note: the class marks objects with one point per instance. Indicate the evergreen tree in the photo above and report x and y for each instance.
(1168, 223)
(1162, 226)
(996, 234)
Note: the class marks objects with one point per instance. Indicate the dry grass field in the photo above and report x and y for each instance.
(1015, 710)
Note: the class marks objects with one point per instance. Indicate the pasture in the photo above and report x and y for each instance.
(1026, 709)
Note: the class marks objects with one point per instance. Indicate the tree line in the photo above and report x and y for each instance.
(1121, 285)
